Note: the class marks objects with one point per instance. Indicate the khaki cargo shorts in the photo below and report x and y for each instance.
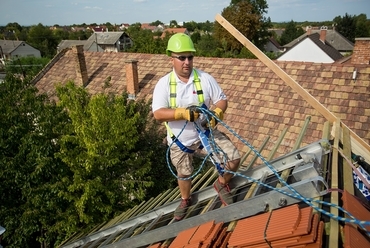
(183, 161)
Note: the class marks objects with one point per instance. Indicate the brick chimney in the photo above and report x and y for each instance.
(81, 69)
(308, 30)
(361, 51)
(323, 31)
(132, 78)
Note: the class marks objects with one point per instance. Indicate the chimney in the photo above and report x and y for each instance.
(132, 78)
(308, 30)
(81, 68)
(361, 51)
(323, 30)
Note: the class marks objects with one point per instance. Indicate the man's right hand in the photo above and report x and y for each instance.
(190, 113)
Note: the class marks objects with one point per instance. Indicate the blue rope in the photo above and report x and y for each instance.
(294, 194)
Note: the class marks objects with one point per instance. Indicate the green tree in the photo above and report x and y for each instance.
(110, 146)
(156, 23)
(30, 173)
(26, 66)
(134, 28)
(60, 34)
(290, 33)
(206, 26)
(247, 17)
(42, 38)
(346, 26)
(64, 171)
(206, 46)
(11, 31)
(80, 35)
(191, 26)
(145, 42)
(173, 24)
(195, 37)
(362, 26)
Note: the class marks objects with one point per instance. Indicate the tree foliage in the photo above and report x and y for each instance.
(42, 38)
(290, 33)
(173, 24)
(30, 174)
(111, 148)
(362, 26)
(156, 23)
(72, 165)
(146, 42)
(199, 26)
(346, 26)
(206, 46)
(247, 17)
(26, 66)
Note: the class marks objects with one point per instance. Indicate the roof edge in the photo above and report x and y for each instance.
(49, 65)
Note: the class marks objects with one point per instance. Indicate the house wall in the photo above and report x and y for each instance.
(272, 48)
(109, 48)
(125, 42)
(306, 51)
(25, 50)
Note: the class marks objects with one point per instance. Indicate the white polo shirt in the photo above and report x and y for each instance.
(186, 95)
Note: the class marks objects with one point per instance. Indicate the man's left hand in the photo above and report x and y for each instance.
(212, 121)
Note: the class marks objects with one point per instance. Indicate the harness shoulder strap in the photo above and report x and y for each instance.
(198, 87)
(173, 93)
(173, 85)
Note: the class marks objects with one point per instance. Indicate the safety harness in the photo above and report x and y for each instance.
(173, 95)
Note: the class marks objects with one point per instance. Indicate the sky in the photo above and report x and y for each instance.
(69, 12)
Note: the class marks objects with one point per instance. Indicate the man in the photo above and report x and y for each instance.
(174, 98)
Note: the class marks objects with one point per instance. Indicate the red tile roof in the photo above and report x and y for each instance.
(173, 31)
(353, 238)
(275, 229)
(352, 205)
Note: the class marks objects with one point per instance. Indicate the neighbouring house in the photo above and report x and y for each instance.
(171, 31)
(77, 29)
(88, 45)
(273, 46)
(111, 41)
(312, 48)
(99, 29)
(10, 49)
(277, 31)
(273, 118)
(332, 37)
(124, 26)
(147, 26)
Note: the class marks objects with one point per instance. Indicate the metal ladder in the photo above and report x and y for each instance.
(157, 224)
